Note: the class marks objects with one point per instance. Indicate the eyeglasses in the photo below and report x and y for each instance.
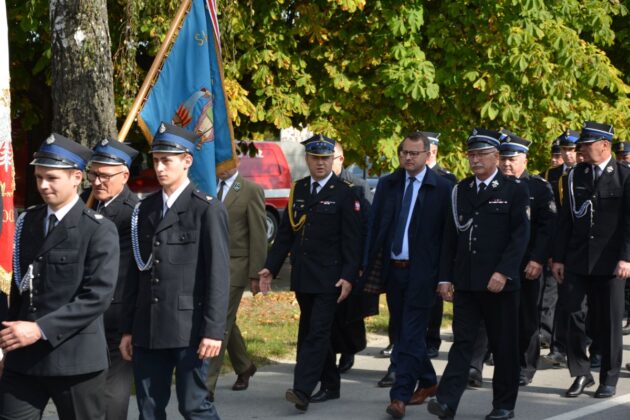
(412, 153)
(479, 155)
(104, 178)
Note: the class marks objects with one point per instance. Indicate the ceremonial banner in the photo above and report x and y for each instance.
(7, 175)
(188, 92)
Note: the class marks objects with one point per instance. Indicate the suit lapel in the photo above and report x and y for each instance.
(233, 192)
(179, 206)
(60, 232)
(495, 185)
(608, 177)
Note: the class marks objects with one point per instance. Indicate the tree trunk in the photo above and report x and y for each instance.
(82, 71)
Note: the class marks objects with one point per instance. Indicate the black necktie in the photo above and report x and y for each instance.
(99, 207)
(52, 221)
(221, 187)
(402, 218)
(314, 188)
(597, 171)
(482, 188)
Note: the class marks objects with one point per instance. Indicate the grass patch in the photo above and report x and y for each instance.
(269, 326)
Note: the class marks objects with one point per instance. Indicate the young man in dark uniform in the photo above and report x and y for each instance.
(64, 274)
(592, 257)
(175, 309)
(322, 230)
(108, 173)
(484, 245)
(554, 320)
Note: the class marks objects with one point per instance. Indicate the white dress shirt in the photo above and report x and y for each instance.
(228, 184)
(321, 183)
(170, 200)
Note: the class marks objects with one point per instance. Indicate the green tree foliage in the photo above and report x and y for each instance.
(368, 71)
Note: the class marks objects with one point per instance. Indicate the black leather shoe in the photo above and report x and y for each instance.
(554, 360)
(298, 398)
(475, 379)
(578, 386)
(387, 351)
(626, 329)
(325, 395)
(432, 352)
(628, 366)
(443, 411)
(605, 391)
(500, 414)
(489, 360)
(523, 380)
(388, 380)
(346, 361)
(596, 361)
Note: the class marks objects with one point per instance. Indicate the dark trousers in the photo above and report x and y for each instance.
(547, 303)
(409, 355)
(606, 303)
(528, 324)
(78, 397)
(435, 322)
(153, 371)
(561, 321)
(118, 385)
(315, 357)
(499, 312)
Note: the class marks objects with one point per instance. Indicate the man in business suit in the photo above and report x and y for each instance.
(592, 256)
(63, 281)
(321, 229)
(484, 246)
(437, 310)
(108, 173)
(175, 307)
(409, 212)
(245, 205)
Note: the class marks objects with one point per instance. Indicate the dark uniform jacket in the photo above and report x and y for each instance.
(445, 173)
(554, 176)
(425, 232)
(75, 270)
(326, 247)
(496, 239)
(543, 218)
(594, 244)
(119, 211)
(183, 297)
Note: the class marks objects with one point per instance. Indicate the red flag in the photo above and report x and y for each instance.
(7, 173)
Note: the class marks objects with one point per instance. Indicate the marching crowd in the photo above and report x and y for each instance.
(110, 291)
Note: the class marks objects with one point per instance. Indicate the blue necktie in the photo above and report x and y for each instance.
(402, 218)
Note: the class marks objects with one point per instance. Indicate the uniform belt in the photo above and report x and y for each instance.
(400, 263)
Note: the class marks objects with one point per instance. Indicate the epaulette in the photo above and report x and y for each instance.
(93, 215)
(202, 196)
(539, 178)
(35, 207)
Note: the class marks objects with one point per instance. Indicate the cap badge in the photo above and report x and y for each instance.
(162, 128)
(104, 142)
(50, 140)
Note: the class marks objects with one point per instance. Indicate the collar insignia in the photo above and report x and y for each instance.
(609, 169)
(587, 170)
(236, 186)
(471, 184)
(494, 183)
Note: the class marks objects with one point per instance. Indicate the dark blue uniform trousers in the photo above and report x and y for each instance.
(153, 371)
(410, 323)
(499, 312)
